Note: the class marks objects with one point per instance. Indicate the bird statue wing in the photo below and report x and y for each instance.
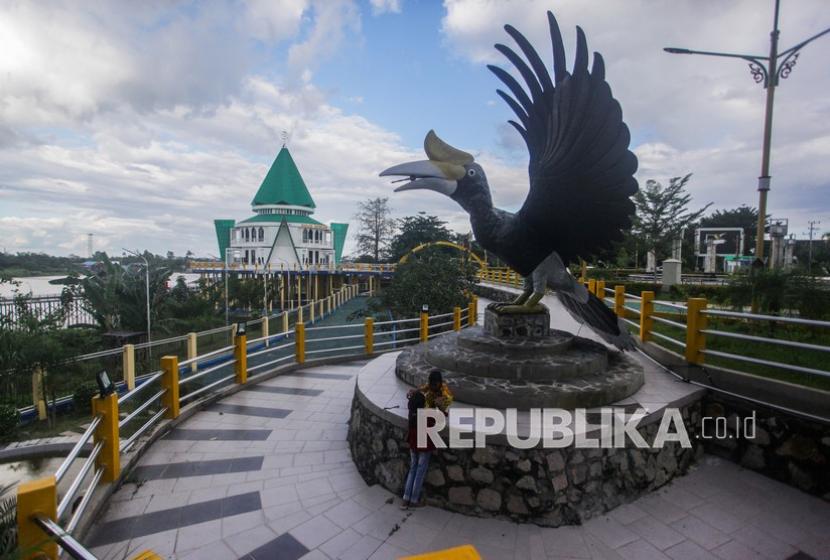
(581, 170)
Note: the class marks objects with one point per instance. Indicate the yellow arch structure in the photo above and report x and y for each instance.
(422, 246)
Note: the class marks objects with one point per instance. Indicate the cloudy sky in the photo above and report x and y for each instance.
(141, 122)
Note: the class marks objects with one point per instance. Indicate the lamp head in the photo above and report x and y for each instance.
(105, 385)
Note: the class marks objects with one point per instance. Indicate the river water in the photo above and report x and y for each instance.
(40, 286)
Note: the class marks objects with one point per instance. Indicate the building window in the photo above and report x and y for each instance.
(261, 234)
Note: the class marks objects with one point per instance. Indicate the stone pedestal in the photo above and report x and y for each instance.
(518, 361)
(671, 272)
(516, 325)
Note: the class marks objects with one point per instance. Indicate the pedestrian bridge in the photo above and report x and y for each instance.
(240, 452)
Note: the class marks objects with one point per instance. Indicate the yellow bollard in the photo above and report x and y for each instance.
(299, 342)
(619, 301)
(240, 354)
(37, 394)
(36, 497)
(170, 381)
(592, 286)
(192, 350)
(424, 326)
(646, 312)
(600, 293)
(109, 459)
(128, 365)
(369, 335)
(695, 322)
(456, 318)
(300, 320)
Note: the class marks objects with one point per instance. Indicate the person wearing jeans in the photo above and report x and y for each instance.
(418, 456)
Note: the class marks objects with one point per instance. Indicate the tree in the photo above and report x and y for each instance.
(375, 227)
(432, 277)
(416, 230)
(662, 214)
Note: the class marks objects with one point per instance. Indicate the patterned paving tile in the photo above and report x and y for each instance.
(284, 547)
(198, 468)
(217, 435)
(285, 390)
(317, 375)
(245, 410)
(174, 518)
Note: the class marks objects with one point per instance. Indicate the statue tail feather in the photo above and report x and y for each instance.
(602, 320)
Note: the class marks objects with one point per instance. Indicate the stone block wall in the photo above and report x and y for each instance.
(790, 449)
(550, 487)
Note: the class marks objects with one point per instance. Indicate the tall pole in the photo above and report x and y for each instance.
(813, 224)
(227, 277)
(767, 70)
(764, 179)
(147, 297)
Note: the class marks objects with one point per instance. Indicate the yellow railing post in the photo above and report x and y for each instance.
(299, 342)
(424, 326)
(36, 497)
(311, 312)
(285, 321)
(369, 335)
(192, 350)
(646, 312)
(600, 287)
(170, 381)
(128, 365)
(240, 354)
(109, 459)
(592, 286)
(322, 308)
(619, 301)
(456, 318)
(266, 329)
(473, 319)
(37, 394)
(583, 270)
(695, 322)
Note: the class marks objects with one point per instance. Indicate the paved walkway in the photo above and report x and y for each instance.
(267, 474)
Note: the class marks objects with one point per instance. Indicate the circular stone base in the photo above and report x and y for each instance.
(561, 371)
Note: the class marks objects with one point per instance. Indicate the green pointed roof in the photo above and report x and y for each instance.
(283, 184)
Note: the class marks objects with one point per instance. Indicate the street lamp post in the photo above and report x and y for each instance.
(769, 71)
(147, 295)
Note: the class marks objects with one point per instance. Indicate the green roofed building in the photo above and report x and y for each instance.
(281, 233)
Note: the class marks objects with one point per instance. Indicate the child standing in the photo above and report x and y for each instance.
(418, 456)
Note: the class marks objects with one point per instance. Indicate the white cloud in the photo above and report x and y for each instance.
(385, 7)
(687, 113)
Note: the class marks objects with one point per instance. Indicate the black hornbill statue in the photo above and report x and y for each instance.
(581, 177)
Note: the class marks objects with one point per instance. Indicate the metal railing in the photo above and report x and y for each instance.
(216, 369)
(684, 326)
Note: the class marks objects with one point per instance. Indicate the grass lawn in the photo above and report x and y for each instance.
(763, 350)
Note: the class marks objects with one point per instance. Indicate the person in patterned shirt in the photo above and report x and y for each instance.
(437, 393)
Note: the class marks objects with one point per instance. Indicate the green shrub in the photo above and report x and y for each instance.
(82, 396)
(9, 420)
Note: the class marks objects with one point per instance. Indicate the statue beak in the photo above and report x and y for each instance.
(432, 175)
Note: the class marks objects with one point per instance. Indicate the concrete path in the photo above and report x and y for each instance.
(268, 475)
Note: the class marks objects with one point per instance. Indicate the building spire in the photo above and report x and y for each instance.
(284, 136)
